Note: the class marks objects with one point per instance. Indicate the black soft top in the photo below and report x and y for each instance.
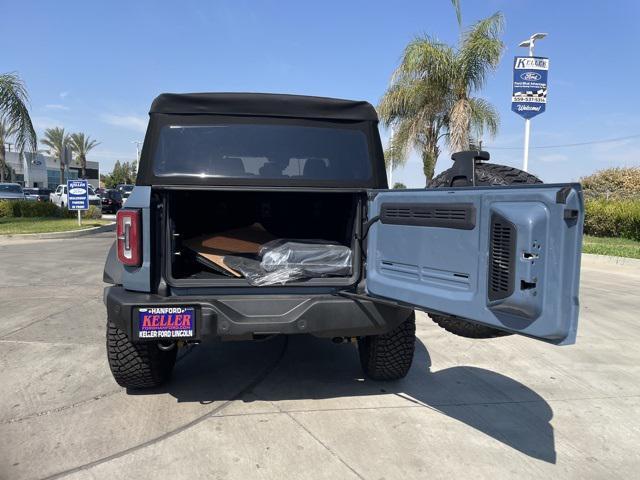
(264, 105)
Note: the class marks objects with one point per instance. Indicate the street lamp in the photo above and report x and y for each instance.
(530, 44)
(137, 143)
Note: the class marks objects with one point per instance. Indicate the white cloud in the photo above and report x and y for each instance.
(64, 94)
(130, 122)
(56, 106)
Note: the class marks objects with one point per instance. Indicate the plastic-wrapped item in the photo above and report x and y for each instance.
(317, 258)
(257, 276)
(282, 261)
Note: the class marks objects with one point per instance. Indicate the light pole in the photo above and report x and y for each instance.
(527, 122)
(138, 143)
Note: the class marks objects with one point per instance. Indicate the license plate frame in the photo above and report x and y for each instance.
(165, 323)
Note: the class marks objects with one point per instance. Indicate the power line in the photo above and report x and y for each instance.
(564, 145)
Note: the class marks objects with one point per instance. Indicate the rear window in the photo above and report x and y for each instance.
(10, 188)
(262, 151)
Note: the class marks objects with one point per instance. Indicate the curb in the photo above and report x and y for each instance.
(68, 234)
(611, 260)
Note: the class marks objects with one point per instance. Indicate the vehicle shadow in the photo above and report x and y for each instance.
(312, 368)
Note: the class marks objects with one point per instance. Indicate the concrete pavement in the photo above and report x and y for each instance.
(299, 408)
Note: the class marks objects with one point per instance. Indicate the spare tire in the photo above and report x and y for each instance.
(485, 174)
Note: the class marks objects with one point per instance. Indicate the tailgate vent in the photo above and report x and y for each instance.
(453, 215)
(502, 248)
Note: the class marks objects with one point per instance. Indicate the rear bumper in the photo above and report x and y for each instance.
(241, 317)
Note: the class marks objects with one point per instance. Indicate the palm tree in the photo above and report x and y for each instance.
(14, 116)
(6, 132)
(81, 145)
(431, 93)
(57, 141)
(417, 112)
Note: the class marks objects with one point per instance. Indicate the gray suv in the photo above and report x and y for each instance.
(486, 250)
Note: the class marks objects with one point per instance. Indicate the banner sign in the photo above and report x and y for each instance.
(77, 195)
(529, 86)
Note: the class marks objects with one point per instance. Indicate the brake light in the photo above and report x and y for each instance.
(128, 234)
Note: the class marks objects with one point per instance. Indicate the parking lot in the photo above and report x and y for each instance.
(299, 408)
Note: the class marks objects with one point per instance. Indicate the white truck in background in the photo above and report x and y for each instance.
(59, 197)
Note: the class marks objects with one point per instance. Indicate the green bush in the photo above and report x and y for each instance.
(94, 212)
(613, 218)
(35, 209)
(6, 209)
(26, 208)
(613, 183)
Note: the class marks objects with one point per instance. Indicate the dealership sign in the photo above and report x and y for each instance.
(529, 96)
(77, 195)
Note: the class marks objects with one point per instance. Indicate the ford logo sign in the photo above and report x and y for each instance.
(530, 76)
(77, 191)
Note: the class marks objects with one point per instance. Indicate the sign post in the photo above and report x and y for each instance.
(78, 197)
(529, 97)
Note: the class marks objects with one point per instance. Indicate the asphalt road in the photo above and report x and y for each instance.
(299, 408)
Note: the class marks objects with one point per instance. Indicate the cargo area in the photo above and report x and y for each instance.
(195, 217)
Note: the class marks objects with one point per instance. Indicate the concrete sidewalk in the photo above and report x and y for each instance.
(299, 408)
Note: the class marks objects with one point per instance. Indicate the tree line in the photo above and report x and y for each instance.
(122, 173)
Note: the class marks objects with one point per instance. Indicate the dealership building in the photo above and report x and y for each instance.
(40, 170)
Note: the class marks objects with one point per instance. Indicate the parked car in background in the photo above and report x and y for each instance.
(11, 191)
(125, 190)
(59, 197)
(100, 191)
(111, 201)
(37, 194)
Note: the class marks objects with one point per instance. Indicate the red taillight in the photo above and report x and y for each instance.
(128, 233)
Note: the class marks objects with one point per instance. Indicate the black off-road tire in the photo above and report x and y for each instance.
(389, 356)
(490, 174)
(486, 174)
(137, 365)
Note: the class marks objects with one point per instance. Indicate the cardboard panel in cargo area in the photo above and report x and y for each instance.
(212, 248)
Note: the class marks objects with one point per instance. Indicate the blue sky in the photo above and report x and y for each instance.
(96, 66)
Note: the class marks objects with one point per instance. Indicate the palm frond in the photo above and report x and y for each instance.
(399, 101)
(484, 117)
(480, 50)
(401, 141)
(56, 140)
(426, 58)
(458, 9)
(14, 110)
(81, 144)
(7, 130)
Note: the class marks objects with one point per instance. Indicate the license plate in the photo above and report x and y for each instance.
(166, 323)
